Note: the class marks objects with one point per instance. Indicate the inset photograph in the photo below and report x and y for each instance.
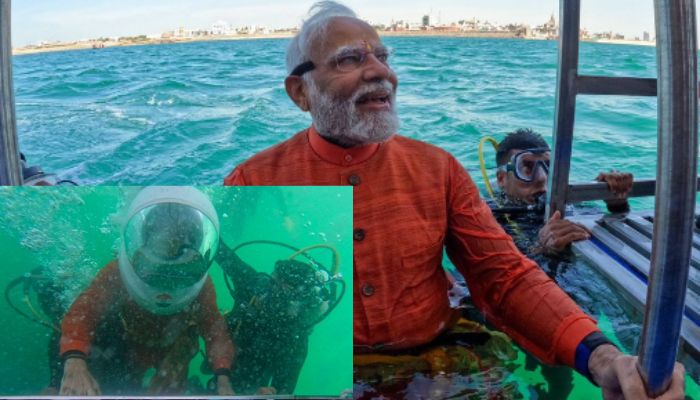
(176, 291)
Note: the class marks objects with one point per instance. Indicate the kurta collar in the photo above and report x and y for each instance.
(338, 155)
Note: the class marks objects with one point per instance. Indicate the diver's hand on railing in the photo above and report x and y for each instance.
(77, 380)
(223, 386)
(558, 233)
(617, 375)
(619, 183)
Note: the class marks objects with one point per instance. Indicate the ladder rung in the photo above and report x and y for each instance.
(604, 85)
(579, 192)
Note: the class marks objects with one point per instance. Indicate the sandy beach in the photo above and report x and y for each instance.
(96, 45)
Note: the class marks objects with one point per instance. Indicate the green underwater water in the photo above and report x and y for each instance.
(73, 232)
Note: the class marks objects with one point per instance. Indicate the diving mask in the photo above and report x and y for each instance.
(527, 164)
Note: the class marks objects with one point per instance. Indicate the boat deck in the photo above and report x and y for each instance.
(620, 249)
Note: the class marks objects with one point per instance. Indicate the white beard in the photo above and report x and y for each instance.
(342, 123)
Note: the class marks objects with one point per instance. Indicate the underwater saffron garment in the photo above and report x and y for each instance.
(150, 336)
(411, 200)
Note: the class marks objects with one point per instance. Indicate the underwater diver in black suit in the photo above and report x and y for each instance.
(272, 318)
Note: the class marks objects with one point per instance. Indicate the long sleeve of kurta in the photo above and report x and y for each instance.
(212, 328)
(411, 200)
(81, 320)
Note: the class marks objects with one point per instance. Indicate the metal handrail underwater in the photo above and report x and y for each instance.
(10, 169)
(676, 184)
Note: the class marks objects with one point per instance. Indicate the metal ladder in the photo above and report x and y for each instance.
(676, 184)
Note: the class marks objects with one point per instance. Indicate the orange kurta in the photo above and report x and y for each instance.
(108, 294)
(411, 200)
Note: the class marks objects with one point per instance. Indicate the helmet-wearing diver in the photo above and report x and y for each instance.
(147, 309)
(273, 316)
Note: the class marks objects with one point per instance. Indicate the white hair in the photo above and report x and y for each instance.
(320, 15)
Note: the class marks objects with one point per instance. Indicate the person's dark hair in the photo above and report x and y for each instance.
(519, 139)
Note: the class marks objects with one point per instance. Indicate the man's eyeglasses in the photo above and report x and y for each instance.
(348, 59)
(526, 164)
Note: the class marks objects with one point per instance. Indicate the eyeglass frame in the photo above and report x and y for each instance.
(510, 166)
(309, 66)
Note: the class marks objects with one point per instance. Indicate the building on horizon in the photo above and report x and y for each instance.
(220, 28)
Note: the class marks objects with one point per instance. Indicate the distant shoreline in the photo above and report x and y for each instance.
(98, 45)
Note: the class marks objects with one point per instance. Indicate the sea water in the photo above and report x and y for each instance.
(188, 113)
(71, 233)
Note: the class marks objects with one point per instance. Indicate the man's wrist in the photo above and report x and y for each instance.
(593, 354)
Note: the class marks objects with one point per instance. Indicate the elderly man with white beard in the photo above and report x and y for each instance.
(411, 200)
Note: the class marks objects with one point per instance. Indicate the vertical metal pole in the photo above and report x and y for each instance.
(10, 171)
(676, 49)
(569, 26)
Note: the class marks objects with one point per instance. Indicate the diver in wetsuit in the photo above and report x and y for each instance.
(48, 312)
(523, 167)
(271, 320)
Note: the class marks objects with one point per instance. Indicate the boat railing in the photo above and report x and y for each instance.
(578, 192)
(10, 169)
(675, 187)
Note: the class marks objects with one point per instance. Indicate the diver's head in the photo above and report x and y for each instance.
(339, 72)
(168, 244)
(299, 291)
(523, 166)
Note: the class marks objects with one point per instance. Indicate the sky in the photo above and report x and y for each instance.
(34, 21)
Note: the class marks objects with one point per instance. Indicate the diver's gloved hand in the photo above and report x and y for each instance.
(77, 380)
(559, 233)
(223, 386)
(617, 375)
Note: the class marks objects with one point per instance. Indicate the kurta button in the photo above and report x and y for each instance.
(354, 180)
(358, 234)
(348, 157)
(367, 290)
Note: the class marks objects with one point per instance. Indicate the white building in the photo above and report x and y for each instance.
(220, 28)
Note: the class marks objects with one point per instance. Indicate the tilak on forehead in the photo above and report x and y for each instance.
(364, 44)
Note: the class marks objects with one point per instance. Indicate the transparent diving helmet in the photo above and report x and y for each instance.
(169, 241)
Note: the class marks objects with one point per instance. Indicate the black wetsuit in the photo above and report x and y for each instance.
(270, 347)
(524, 228)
